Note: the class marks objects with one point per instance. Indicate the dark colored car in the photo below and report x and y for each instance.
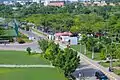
(100, 75)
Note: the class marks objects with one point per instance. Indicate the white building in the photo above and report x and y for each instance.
(8, 2)
(37, 1)
(47, 2)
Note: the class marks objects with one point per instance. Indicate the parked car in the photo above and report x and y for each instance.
(100, 75)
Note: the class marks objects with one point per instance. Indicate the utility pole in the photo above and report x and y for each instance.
(92, 52)
(110, 61)
(80, 48)
(110, 66)
(85, 49)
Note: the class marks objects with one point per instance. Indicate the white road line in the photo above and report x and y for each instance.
(25, 66)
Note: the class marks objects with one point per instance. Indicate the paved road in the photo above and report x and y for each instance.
(91, 66)
(111, 75)
(86, 70)
(30, 34)
(25, 66)
(22, 47)
(87, 67)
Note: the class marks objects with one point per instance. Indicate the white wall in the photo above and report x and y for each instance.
(73, 40)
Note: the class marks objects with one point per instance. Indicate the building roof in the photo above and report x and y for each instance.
(56, 4)
(9, 33)
(63, 34)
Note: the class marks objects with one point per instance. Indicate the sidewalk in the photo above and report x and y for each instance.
(111, 75)
(25, 66)
(107, 60)
(19, 43)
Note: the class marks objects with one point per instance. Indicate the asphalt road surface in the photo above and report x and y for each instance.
(87, 67)
(22, 47)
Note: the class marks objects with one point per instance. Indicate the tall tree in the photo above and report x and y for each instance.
(43, 44)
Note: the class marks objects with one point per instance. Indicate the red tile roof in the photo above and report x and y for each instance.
(56, 4)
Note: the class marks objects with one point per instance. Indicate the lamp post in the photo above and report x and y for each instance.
(85, 49)
(80, 47)
(110, 66)
(93, 44)
(92, 52)
(110, 61)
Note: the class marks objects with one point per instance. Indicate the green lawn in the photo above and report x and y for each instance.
(89, 54)
(9, 33)
(114, 64)
(117, 71)
(20, 57)
(96, 56)
(78, 47)
(31, 74)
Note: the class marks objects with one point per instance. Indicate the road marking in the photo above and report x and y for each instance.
(25, 66)
(100, 69)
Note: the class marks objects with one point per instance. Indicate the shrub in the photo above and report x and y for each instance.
(20, 41)
(11, 40)
(28, 50)
(103, 55)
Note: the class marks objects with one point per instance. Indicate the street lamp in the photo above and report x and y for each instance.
(85, 49)
(110, 66)
(80, 48)
(92, 52)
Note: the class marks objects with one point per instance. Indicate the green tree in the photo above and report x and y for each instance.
(68, 60)
(43, 44)
(103, 54)
(118, 53)
(52, 51)
(1, 31)
(74, 29)
(71, 61)
(28, 50)
(60, 59)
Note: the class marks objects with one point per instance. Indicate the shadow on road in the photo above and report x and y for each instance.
(83, 65)
(87, 72)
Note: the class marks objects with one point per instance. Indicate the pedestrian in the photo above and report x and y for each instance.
(110, 69)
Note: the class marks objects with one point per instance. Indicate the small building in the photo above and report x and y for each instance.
(67, 38)
(111, 4)
(54, 3)
(51, 37)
